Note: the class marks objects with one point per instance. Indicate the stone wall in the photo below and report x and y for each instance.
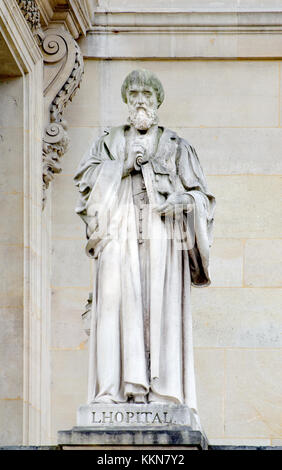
(230, 111)
(220, 63)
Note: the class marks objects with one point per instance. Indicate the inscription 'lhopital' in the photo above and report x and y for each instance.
(130, 417)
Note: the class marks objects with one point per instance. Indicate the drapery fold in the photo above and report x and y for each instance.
(106, 206)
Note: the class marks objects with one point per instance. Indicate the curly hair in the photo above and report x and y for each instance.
(143, 77)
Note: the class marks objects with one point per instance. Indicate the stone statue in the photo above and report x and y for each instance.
(149, 217)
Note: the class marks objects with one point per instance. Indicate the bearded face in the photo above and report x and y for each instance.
(142, 106)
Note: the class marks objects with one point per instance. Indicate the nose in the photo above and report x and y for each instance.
(140, 98)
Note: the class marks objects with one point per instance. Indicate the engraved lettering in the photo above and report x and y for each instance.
(93, 418)
(107, 417)
(110, 417)
(119, 420)
(146, 413)
(129, 415)
(165, 418)
(157, 418)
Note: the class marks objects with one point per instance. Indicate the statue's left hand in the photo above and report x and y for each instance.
(175, 204)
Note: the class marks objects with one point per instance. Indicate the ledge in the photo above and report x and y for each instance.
(168, 437)
(222, 21)
(185, 35)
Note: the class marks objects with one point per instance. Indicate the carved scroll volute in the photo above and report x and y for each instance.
(63, 70)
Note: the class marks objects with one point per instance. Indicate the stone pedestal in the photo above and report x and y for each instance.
(134, 426)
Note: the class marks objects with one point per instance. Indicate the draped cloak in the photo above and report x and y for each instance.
(117, 327)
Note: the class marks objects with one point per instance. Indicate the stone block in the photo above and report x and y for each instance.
(127, 44)
(237, 318)
(255, 45)
(66, 223)
(81, 139)
(69, 387)
(11, 353)
(71, 266)
(183, 5)
(11, 102)
(226, 260)
(174, 437)
(88, 110)
(209, 371)
(153, 415)
(219, 88)
(253, 394)
(263, 263)
(227, 151)
(11, 232)
(67, 325)
(70, 368)
(11, 419)
(245, 207)
(11, 280)
(11, 148)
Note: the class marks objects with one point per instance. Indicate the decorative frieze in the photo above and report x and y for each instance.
(31, 13)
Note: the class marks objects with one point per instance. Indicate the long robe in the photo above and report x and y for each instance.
(178, 254)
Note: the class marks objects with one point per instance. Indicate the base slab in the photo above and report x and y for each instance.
(114, 438)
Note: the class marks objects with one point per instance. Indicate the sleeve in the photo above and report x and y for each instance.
(194, 182)
(98, 179)
(87, 174)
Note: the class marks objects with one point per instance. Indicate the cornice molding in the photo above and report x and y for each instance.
(73, 15)
(179, 21)
(185, 35)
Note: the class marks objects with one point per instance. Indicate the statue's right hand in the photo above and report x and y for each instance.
(134, 159)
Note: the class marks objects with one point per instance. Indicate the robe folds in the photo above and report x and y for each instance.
(177, 250)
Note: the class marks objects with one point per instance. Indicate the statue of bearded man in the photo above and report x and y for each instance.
(148, 216)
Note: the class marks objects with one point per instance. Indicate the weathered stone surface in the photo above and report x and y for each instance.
(11, 285)
(174, 436)
(67, 331)
(224, 104)
(227, 151)
(209, 371)
(11, 421)
(237, 318)
(69, 385)
(253, 393)
(246, 208)
(11, 344)
(66, 222)
(227, 259)
(263, 263)
(126, 414)
(65, 269)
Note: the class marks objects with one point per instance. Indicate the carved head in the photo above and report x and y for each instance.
(143, 93)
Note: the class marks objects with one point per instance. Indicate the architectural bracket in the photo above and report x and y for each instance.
(31, 13)
(63, 70)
